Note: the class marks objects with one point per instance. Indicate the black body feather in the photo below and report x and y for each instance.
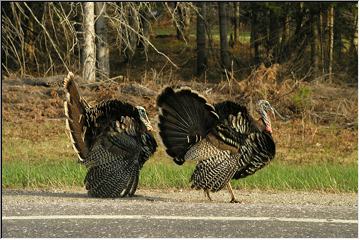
(111, 141)
(224, 139)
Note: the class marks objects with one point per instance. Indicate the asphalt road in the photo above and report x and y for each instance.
(177, 214)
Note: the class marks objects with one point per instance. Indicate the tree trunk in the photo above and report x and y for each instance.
(29, 29)
(30, 47)
(224, 48)
(300, 39)
(201, 39)
(145, 28)
(133, 38)
(254, 42)
(89, 44)
(236, 21)
(331, 39)
(322, 42)
(299, 18)
(183, 22)
(337, 36)
(79, 49)
(284, 37)
(102, 47)
(354, 36)
(186, 20)
(353, 67)
(273, 36)
(315, 45)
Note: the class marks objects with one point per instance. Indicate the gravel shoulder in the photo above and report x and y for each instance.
(185, 195)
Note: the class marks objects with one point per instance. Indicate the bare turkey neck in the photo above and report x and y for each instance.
(266, 121)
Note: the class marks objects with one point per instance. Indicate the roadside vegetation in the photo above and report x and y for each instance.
(40, 156)
(300, 56)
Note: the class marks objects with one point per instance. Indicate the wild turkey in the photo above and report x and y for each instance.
(112, 139)
(224, 139)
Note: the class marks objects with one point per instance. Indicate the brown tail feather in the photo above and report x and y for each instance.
(75, 113)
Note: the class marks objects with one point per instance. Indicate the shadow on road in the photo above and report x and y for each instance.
(44, 193)
(74, 195)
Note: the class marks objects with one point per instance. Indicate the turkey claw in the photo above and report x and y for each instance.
(234, 201)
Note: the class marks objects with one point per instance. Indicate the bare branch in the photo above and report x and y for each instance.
(48, 35)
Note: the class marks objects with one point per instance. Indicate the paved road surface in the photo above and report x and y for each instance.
(178, 214)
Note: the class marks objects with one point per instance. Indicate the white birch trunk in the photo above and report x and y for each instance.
(331, 38)
(89, 39)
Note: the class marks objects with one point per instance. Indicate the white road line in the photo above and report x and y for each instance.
(204, 218)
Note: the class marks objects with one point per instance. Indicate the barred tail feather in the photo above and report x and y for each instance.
(133, 183)
(116, 180)
(75, 112)
(214, 173)
(128, 185)
(185, 118)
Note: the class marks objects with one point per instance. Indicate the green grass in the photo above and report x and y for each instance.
(328, 177)
(279, 176)
(244, 37)
(160, 173)
(20, 174)
(43, 158)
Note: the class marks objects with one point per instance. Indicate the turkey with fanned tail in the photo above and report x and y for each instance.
(113, 140)
(224, 139)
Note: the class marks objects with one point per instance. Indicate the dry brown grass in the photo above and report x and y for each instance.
(322, 125)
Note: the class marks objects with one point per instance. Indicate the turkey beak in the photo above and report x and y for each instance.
(147, 124)
(272, 111)
(144, 118)
(117, 124)
(149, 127)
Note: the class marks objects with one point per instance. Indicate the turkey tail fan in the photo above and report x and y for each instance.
(184, 119)
(75, 109)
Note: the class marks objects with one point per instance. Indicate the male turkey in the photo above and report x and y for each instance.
(112, 139)
(224, 139)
